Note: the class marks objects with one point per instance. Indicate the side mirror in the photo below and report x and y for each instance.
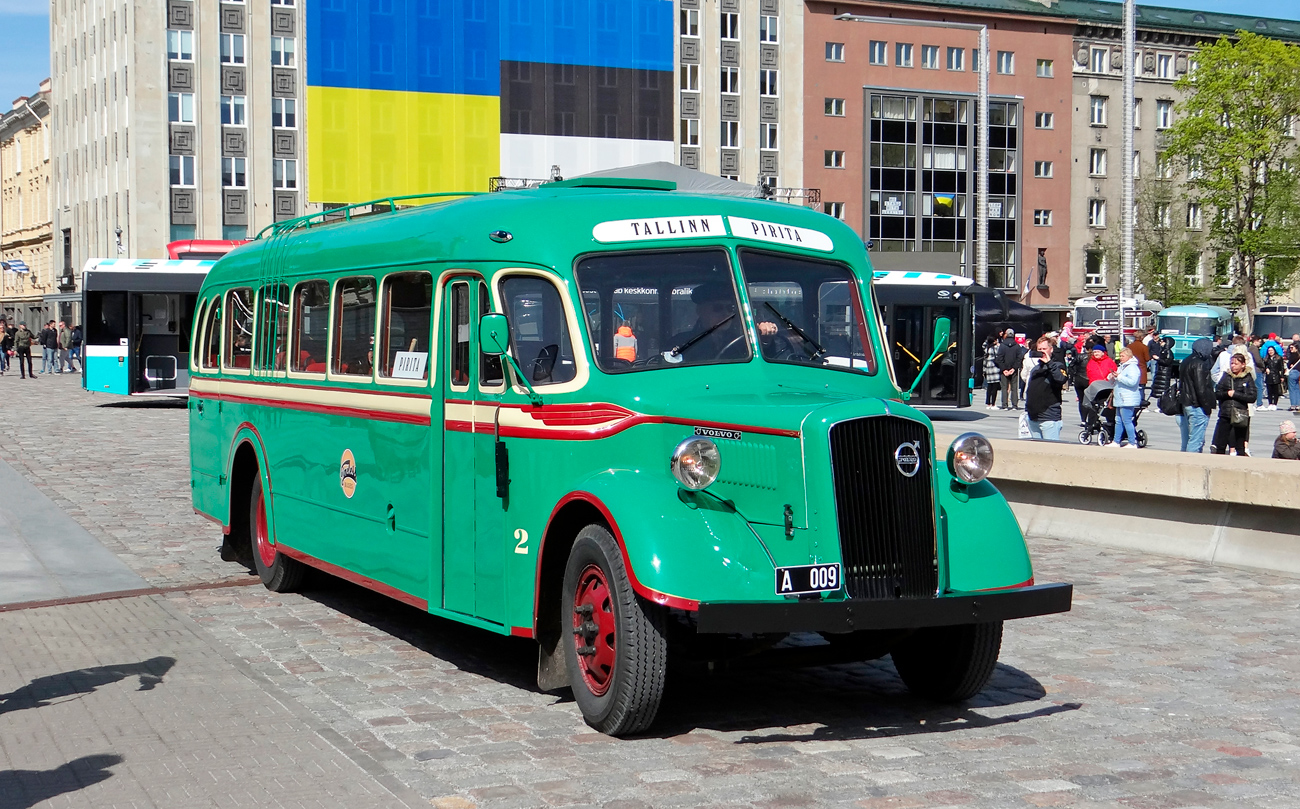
(493, 334)
(942, 331)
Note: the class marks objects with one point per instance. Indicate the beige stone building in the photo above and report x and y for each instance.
(29, 285)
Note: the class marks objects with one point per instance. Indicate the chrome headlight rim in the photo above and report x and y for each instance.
(967, 447)
(698, 453)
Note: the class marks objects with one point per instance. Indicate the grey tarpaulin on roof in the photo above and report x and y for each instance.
(688, 180)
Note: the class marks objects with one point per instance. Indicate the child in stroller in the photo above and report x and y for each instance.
(1099, 415)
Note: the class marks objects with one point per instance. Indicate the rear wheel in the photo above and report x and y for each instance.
(1142, 439)
(279, 573)
(1085, 436)
(615, 646)
(949, 663)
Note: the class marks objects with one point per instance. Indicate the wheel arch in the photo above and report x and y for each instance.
(247, 460)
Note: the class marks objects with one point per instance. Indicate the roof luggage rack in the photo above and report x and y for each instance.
(354, 211)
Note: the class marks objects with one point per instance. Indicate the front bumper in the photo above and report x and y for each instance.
(914, 613)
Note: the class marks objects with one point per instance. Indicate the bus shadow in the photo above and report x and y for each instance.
(965, 414)
(168, 403)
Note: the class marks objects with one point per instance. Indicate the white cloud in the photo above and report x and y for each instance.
(26, 8)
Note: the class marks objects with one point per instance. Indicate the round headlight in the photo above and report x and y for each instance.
(696, 463)
(970, 458)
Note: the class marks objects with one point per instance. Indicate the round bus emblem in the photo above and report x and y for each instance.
(348, 473)
(908, 458)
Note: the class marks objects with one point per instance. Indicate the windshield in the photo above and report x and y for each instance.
(1171, 325)
(1202, 326)
(807, 312)
(661, 309)
(1084, 316)
(1282, 325)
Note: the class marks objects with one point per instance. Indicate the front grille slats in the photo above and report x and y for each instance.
(886, 519)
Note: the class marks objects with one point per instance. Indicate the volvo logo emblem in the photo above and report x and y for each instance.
(908, 458)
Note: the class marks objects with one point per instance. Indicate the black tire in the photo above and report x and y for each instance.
(949, 663)
(1104, 437)
(1085, 437)
(279, 573)
(619, 681)
(1142, 439)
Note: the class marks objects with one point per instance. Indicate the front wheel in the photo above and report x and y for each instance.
(279, 573)
(615, 647)
(1085, 436)
(949, 663)
(1142, 439)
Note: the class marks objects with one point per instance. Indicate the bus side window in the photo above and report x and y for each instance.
(404, 333)
(195, 342)
(211, 337)
(489, 373)
(311, 323)
(239, 328)
(354, 327)
(272, 326)
(459, 360)
(539, 330)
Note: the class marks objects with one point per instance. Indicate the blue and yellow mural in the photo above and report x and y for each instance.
(412, 96)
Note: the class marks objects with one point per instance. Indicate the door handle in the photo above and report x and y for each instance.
(198, 405)
(390, 521)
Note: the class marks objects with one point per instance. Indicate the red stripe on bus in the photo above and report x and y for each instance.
(355, 578)
(521, 631)
(1029, 583)
(330, 388)
(601, 421)
(334, 410)
(225, 529)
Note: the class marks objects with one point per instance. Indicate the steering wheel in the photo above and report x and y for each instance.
(722, 353)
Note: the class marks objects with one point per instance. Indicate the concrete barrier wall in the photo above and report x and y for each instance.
(1243, 512)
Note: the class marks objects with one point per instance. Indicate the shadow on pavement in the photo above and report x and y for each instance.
(129, 403)
(57, 687)
(964, 414)
(20, 789)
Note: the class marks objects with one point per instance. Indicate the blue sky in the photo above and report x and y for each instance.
(27, 41)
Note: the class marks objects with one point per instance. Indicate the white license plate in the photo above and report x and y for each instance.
(792, 581)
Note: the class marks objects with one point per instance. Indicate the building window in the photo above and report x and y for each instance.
(1162, 216)
(233, 173)
(930, 57)
(835, 51)
(730, 79)
(833, 159)
(283, 2)
(730, 25)
(1164, 66)
(835, 209)
(284, 173)
(1006, 63)
(1043, 120)
(180, 108)
(1042, 168)
(1100, 60)
(282, 50)
(232, 110)
(182, 170)
(1137, 165)
(1043, 218)
(902, 54)
(835, 107)
(1137, 113)
(1044, 69)
(956, 59)
(767, 82)
(1164, 114)
(690, 19)
(1097, 162)
(730, 134)
(180, 45)
(1194, 168)
(767, 28)
(284, 113)
(767, 137)
(690, 132)
(1097, 213)
(1094, 268)
(232, 49)
(690, 77)
(1194, 216)
(877, 52)
(1098, 111)
(1164, 167)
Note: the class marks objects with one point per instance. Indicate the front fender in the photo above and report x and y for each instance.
(985, 547)
(679, 550)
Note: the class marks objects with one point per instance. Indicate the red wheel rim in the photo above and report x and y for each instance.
(594, 629)
(265, 550)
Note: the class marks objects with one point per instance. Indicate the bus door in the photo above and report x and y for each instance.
(473, 555)
(161, 359)
(911, 333)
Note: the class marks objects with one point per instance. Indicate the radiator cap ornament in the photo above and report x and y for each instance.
(907, 458)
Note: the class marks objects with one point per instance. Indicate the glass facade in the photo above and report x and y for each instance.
(921, 183)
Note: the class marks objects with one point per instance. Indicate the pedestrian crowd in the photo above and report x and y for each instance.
(60, 348)
(1115, 383)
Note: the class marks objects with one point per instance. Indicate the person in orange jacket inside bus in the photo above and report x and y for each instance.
(625, 344)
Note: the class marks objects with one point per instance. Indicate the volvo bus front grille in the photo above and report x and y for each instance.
(886, 518)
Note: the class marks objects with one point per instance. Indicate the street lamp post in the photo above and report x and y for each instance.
(982, 149)
(1126, 214)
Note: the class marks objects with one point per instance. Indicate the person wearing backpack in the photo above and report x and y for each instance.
(23, 339)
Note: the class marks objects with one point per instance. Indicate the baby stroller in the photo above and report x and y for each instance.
(1099, 415)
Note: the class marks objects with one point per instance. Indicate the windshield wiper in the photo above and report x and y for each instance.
(677, 352)
(818, 353)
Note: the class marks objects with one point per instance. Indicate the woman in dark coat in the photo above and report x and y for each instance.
(1274, 373)
(1166, 366)
(1236, 391)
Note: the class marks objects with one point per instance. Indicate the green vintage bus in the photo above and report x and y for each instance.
(626, 422)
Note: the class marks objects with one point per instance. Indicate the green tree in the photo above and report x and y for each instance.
(1234, 127)
(1163, 245)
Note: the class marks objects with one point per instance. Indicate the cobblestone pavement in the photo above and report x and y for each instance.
(1171, 684)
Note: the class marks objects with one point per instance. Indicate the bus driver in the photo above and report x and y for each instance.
(717, 332)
